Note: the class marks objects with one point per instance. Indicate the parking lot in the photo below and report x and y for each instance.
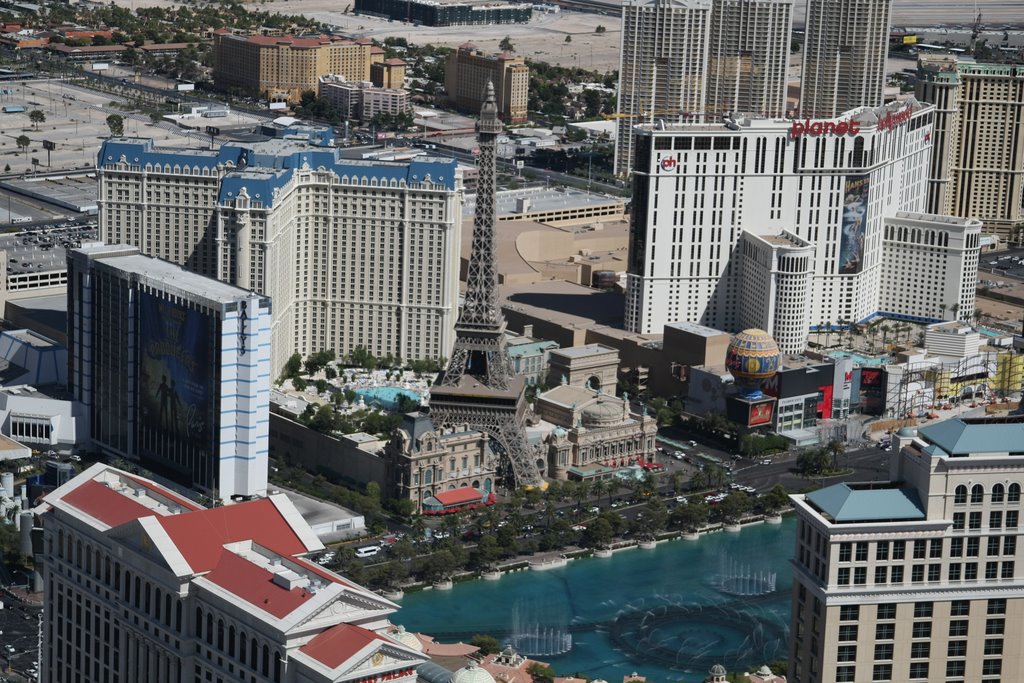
(43, 249)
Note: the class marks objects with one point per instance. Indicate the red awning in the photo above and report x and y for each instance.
(462, 496)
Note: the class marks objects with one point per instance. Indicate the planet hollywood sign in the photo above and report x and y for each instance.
(808, 127)
(891, 120)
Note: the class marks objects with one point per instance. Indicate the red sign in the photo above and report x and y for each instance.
(668, 163)
(809, 127)
(760, 413)
(891, 120)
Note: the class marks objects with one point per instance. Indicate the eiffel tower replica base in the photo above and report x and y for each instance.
(500, 413)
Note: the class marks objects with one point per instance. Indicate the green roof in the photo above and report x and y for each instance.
(957, 437)
(845, 504)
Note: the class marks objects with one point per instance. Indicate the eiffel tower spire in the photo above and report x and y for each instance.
(479, 388)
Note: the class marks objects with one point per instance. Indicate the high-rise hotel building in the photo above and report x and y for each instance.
(662, 67)
(351, 252)
(144, 586)
(846, 43)
(821, 189)
(693, 60)
(915, 579)
(173, 368)
(748, 57)
(977, 168)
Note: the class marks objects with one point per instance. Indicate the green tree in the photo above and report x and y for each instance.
(654, 520)
(598, 534)
(733, 506)
(486, 554)
(813, 462)
(36, 116)
(488, 645)
(23, 142)
(776, 499)
(293, 366)
(506, 44)
(568, 39)
(541, 673)
(115, 122)
(691, 515)
(600, 29)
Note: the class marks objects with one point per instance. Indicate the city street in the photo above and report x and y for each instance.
(18, 641)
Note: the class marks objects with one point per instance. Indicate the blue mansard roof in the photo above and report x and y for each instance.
(261, 168)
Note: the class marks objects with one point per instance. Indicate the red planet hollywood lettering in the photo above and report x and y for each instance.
(809, 127)
(890, 120)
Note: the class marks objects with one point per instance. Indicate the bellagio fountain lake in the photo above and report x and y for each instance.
(668, 613)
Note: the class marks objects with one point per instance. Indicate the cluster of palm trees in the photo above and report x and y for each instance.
(899, 331)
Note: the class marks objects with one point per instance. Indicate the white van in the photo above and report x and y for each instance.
(367, 551)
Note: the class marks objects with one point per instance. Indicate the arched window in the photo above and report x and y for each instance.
(960, 495)
(231, 641)
(1013, 495)
(277, 667)
(199, 622)
(977, 494)
(60, 543)
(209, 629)
(266, 660)
(998, 491)
(242, 642)
(220, 635)
(253, 654)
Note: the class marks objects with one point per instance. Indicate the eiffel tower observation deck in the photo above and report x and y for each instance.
(478, 389)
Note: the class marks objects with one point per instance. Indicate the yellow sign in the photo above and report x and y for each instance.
(910, 40)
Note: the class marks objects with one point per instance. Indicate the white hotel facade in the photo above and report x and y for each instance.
(144, 586)
(824, 189)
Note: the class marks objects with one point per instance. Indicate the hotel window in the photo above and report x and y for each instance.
(922, 630)
(993, 627)
(958, 520)
(958, 628)
(960, 608)
(923, 610)
(883, 651)
(885, 631)
(919, 669)
(956, 648)
(955, 668)
(974, 521)
(882, 672)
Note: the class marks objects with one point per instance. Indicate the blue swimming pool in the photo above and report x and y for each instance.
(859, 359)
(386, 397)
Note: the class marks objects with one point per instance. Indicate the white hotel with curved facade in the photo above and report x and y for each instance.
(810, 199)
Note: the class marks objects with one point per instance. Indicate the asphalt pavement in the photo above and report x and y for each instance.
(18, 640)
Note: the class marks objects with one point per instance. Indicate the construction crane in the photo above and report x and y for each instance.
(975, 32)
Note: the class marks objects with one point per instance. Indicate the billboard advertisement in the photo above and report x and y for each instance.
(872, 386)
(760, 413)
(176, 380)
(855, 213)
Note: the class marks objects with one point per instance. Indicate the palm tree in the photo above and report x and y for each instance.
(885, 335)
(942, 311)
(955, 308)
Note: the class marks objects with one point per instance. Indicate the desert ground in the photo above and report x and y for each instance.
(543, 38)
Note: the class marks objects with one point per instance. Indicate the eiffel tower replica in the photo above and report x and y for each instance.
(478, 388)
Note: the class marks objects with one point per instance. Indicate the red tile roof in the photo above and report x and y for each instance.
(255, 585)
(338, 644)
(201, 535)
(466, 494)
(166, 493)
(108, 506)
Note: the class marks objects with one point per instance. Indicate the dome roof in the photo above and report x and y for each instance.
(472, 673)
(718, 670)
(907, 432)
(752, 356)
(408, 639)
(764, 671)
(604, 411)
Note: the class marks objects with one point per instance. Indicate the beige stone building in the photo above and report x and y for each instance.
(594, 433)
(389, 73)
(361, 100)
(977, 165)
(593, 366)
(422, 462)
(915, 579)
(467, 71)
(351, 252)
(281, 68)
